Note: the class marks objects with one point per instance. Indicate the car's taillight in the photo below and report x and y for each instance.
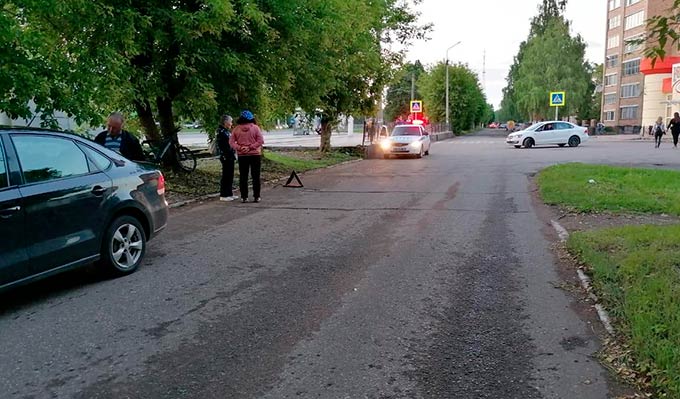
(161, 184)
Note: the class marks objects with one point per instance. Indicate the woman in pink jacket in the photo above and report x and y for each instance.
(246, 139)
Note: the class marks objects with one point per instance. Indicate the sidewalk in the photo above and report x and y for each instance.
(628, 137)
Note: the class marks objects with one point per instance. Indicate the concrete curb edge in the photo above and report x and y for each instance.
(585, 283)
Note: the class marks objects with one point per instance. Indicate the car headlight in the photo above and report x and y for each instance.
(385, 144)
(416, 144)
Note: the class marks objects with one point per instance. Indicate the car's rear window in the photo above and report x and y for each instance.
(406, 131)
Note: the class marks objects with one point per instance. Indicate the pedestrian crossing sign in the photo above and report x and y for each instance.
(416, 106)
(557, 99)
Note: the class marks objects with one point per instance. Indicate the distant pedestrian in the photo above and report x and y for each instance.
(121, 141)
(227, 158)
(659, 131)
(246, 139)
(674, 126)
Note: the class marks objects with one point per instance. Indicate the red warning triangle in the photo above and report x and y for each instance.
(290, 179)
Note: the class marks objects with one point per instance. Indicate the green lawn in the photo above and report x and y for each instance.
(635, 269)
(615, 189)
(636, 272)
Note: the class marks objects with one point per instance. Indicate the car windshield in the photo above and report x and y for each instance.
(406, 131)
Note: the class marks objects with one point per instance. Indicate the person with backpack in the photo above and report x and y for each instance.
(659, 130)
(674, 126)
(227, 158)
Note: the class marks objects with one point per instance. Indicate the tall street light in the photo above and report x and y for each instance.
(447, 83)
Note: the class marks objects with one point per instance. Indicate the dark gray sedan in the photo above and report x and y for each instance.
(67, 202)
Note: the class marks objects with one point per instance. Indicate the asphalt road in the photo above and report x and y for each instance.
(413, 278)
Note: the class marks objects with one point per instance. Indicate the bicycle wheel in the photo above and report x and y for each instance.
(186, 159)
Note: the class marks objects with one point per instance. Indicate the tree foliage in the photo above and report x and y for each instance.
(663, 32)
(399, 91)
(195, 59)
(467, 103)
(549, 60)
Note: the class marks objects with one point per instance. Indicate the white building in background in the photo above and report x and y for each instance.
(65, 123)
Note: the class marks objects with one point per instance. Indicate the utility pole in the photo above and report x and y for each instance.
(484, 72)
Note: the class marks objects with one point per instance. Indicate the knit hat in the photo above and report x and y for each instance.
(247, 115)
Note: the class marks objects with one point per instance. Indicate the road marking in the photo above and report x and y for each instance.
(585, 283)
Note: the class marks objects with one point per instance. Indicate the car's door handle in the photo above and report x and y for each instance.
(98, 190)
(7, 212)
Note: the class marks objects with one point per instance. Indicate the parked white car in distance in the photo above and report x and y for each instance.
(549, 133)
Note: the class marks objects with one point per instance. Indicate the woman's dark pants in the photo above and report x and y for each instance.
(251, 163)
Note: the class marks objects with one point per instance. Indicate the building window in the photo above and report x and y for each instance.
(609, 116)
(610, 80)
(631, 67)
(631, 2)
(629, 112)
(614, 4)
(635, 20)
(610, 98)
(630, 90)
(613, 42)
(615, 22)
(612, 61)
(632, 44)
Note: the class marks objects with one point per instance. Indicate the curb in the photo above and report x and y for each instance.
(236, 190)
(585, 283)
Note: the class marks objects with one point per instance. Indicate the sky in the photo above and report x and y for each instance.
(497, 26)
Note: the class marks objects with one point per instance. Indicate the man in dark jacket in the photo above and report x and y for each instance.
(116, 139)
(227, 157)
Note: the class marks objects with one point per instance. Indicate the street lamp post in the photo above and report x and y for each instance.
(447, 83)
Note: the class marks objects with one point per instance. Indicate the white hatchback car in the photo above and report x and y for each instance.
(407, 140)
(549, 133)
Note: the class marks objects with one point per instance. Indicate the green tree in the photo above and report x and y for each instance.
(592, 109)
(663, 32)
(467, 103)
(399, 92)
(357, 64)
(547, 11)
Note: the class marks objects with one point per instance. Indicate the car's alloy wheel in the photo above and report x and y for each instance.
(528, 143)
(574, 141)
(124, 246)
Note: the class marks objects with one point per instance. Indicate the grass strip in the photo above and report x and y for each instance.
(636, 273)
(592, 188)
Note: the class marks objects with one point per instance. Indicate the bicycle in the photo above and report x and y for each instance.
(168, 150)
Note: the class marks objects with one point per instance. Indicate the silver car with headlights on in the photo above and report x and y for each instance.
(410, 140)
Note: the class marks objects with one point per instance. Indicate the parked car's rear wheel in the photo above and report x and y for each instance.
(574, 141)
(529, 142)
(124, 246)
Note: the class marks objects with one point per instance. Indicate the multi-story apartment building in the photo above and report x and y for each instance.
(634, 92)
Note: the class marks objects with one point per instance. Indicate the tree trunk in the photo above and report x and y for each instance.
(326, 129)
(168, 129)
(146, 119)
